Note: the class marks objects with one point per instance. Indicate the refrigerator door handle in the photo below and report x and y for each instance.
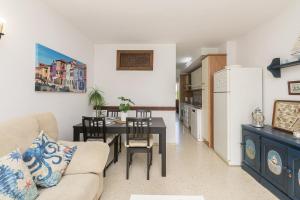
(221, 92)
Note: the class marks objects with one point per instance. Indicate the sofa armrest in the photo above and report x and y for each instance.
(90, 157)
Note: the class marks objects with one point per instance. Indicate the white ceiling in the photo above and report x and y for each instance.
(191, 24)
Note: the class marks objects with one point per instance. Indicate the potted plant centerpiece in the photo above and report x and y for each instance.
(124, 107)
(96, 99)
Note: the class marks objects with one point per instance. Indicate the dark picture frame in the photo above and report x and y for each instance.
(135, 60)
(292, 87)
(286, 115)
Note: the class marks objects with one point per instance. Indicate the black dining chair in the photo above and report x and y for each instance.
(138, 140)
(143, 113)
(114, 113)
(94, 129)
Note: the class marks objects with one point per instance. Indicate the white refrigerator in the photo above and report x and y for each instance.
(237, 92)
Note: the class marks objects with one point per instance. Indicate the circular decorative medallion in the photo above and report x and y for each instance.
(250, 149)
(274, 162)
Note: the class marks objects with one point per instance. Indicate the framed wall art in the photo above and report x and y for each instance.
(56, 72)
(286, 115)
(136, 60)
(294, 87)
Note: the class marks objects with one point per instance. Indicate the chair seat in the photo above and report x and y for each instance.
(109, 138)
(140, 143)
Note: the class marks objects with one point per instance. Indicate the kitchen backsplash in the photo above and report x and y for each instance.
(197, 97)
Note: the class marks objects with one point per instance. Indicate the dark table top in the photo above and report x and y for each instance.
(156, 122)
(276, 134)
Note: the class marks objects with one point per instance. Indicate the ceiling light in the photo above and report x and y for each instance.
(186, 60)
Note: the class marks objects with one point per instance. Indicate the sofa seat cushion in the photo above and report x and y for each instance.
(79, 186)
(90, 157)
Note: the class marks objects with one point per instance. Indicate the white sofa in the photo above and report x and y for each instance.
(83, 179)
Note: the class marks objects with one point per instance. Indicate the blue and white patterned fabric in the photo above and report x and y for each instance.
(69, 152)
(15, 179)
(47, 160)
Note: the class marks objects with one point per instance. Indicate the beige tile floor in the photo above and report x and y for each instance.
(192, 169)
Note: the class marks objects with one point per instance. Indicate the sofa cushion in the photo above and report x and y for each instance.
(17, 133)
(46, 161)
(90, 157)
(79, 186)
(15, 179)
(48, 123)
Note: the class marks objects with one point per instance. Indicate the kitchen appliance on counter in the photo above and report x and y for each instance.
(237, 92)
(196, 123)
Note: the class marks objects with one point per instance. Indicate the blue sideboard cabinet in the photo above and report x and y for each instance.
(272, 157)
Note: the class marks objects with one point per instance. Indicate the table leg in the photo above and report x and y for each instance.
(163, 153)
(76, 134)
(159, 143)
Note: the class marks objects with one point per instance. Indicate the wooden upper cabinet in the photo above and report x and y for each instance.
(210, 64)
(184, 87)
(196, 79)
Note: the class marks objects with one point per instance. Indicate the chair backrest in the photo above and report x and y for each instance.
(143, 113)
(112, 112)
(137, 129)
(94, 128)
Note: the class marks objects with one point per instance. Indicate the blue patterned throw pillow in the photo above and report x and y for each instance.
(68, 152)
(47, 160)
(15, 179)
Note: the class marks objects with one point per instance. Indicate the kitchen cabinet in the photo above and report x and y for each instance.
(210, 64)
(185, 93)
(274, 163)
(251, 153)
(294, 174)
(205, 99)
(196, 79)
(196, 123)
(272, 157)
(185, 89)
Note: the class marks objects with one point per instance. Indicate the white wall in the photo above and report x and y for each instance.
(231, 50)
(260, 46)
(30, 22)
(145, 88)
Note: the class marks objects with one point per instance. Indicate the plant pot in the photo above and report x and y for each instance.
(123, 116)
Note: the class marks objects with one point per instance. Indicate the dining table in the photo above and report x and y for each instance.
(157, 126)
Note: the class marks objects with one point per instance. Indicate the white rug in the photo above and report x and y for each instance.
(164, 197)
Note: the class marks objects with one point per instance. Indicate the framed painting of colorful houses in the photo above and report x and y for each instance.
(55, 72)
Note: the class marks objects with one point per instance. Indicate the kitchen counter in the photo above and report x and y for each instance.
(194, 106)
